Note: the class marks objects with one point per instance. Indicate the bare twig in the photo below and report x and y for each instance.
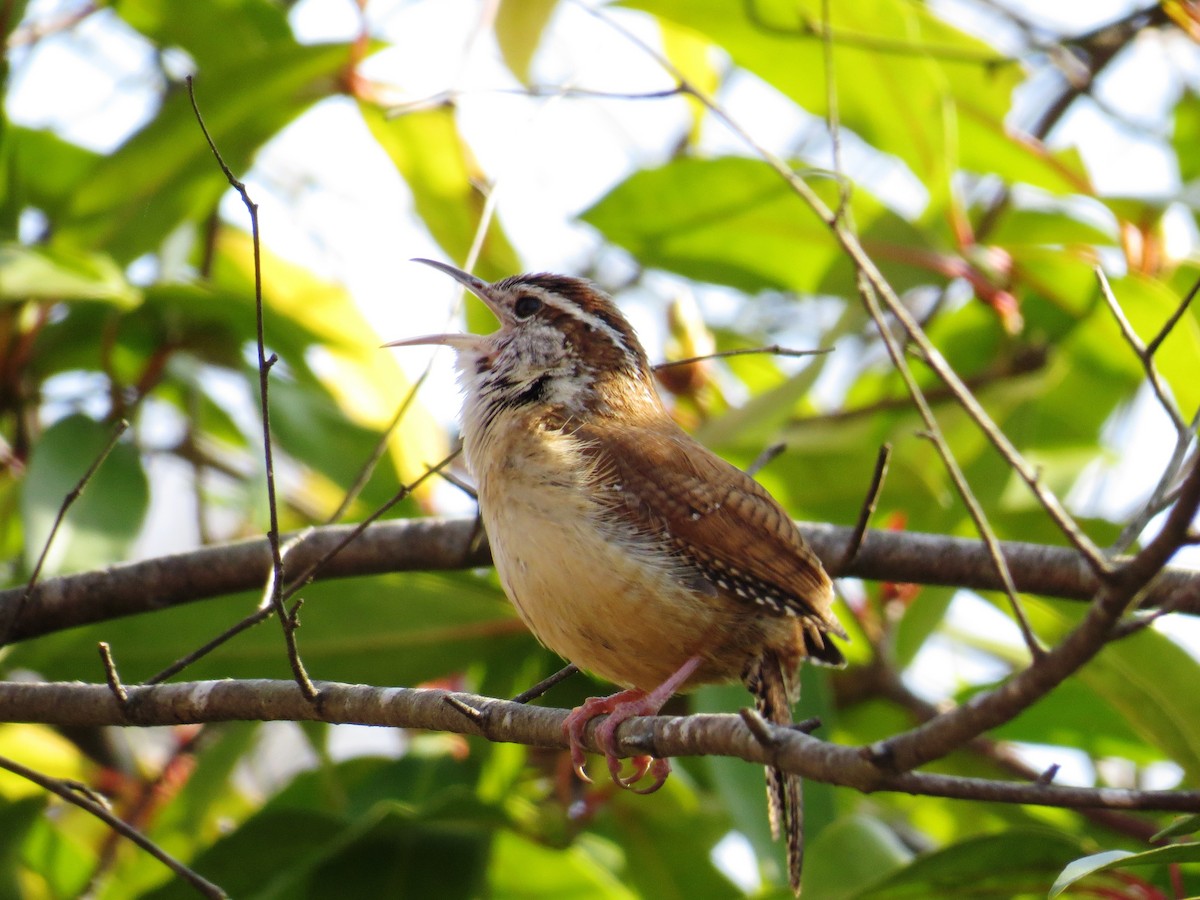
(294, 543)
(868, 508)
(368, 467)
(938, 439)
(1173, 320)
(259, 615)
(288, 622)
(452, 95)
(205, 887)
(310, 572)
(1165, 400)
(883, 680)
(764, 458)
(10, 621)
(111, 674)
(773, 350)
(546, 683)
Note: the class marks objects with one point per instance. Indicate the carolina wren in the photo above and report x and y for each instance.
(625, 545)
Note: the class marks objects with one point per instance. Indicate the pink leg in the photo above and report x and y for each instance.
(619, 707)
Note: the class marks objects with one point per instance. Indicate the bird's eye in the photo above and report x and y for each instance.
(526, 306)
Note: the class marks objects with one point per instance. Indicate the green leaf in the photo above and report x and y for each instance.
(1047, 228)
(987, 146)
(44, 171)
(1137, 676)
(1186, 135)
(103, 523)
(365, 380)
(519, 26)
(1002, 865)
(849, 856)
(1111, 860)
(1074, 715)
(521, 869)
(47, 273)
(1182, 825)
(365, 828)
(61, 859)
(17, 818)
(215, 33)
(272, 853)
(734, 221)
(165, 174)
(668, 844)
(900, 69)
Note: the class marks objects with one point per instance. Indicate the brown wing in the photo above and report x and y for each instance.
(717, 517)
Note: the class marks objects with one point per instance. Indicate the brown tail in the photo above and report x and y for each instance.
(769, 684)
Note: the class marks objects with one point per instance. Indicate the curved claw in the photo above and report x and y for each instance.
(641, 765)
(580, 769)
(660, 769)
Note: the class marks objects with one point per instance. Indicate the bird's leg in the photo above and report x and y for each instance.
(619, 707)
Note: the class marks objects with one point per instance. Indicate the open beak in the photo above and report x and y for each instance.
(476, 286)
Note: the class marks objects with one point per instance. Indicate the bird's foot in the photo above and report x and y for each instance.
(618, 708)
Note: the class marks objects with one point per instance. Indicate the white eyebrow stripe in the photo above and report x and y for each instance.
(572, 309)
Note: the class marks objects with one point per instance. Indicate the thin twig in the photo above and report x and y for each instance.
(463, 707)
(1165, 400)
(868, 508)
(288, 623)
(368, 467)
(452, 479)
(259, 615)
(1164, 492)
(68, 501)
(265, 611)
(452, 95)
(938, 439)
(773, 350)
(759, 727)
(205, 887)
(309, 573)
(764, 458)
(1169, 325)
(111, 675)
(546, 683)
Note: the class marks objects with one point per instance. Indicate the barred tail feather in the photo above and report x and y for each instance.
(769, 684)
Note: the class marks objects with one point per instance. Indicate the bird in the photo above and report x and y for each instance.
(626, 546)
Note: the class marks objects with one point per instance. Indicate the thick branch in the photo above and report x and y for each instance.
(500, 720)
(444, 544)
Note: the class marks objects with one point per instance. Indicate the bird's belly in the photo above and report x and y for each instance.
(615, 608)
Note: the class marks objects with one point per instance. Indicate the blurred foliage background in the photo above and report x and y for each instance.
(993, 153)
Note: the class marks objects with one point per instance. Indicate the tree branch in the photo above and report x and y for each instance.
(991, 708)
(504, 721)
(407, 545)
